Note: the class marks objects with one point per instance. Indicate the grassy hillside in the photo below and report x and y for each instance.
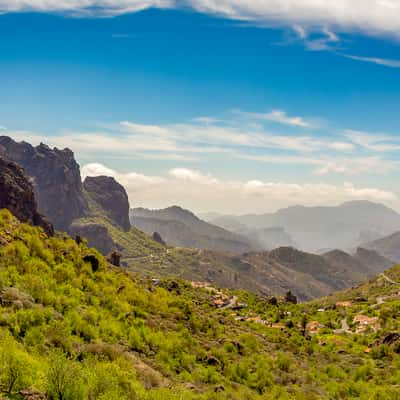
(307, 275)
(77, 330)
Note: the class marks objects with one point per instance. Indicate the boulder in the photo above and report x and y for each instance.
(157, 238)
(114, 258)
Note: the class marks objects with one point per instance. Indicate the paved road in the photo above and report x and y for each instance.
(344, 327)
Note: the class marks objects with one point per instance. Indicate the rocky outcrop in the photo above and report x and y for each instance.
(56, 179)
(97, 236)
(107, 193)
(157, 237)
(16, 194)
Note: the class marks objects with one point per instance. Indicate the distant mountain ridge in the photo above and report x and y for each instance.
(180, 227)
(315, 228)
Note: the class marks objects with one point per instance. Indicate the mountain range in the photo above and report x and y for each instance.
(179, 227)
(319, 229)
(98, 211)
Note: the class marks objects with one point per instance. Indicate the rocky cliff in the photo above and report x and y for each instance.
(16, 194)
(111, 197)
(55, 177)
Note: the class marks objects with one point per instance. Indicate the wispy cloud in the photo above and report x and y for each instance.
(342, 153)
(374, 142)
(386, 62)
(318, 40)
(280, 117)
(326, 165)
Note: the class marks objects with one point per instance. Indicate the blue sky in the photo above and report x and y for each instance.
(231, 106)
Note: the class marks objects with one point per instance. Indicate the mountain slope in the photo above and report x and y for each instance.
(367, 262)
(68, 317)
(271, 273)
(179, 227)
(388, 246)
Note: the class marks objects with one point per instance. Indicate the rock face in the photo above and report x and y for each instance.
(55, 177)
(97, 236)
(16, 194)
(111, 197)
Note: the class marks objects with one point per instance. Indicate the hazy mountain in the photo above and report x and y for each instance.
(315, 228)
(179, 227)
(388, 246)
(266, 238)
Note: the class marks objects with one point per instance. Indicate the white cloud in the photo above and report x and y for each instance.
(132, 180)
(189, 175)
(369, 16)
(201, 191)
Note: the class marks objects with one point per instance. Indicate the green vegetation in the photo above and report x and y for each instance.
(80, 331)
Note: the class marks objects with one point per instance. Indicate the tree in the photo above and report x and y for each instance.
(64, 378)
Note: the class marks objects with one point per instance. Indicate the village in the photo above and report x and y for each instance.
(361, 323)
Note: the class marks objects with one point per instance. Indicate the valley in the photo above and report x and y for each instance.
(155, 321)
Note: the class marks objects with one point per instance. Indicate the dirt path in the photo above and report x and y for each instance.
(387, 279)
